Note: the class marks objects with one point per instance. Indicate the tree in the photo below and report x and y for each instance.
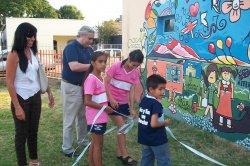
(70, 12)
(42, 9)
(106, 30)
(26, 8)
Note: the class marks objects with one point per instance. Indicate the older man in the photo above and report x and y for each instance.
(76, 60)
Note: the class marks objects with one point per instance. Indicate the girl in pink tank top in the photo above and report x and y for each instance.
(120, 83)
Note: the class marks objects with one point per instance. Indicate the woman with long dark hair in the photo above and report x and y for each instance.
(24, 89)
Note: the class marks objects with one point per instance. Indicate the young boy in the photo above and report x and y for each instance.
(151, 127)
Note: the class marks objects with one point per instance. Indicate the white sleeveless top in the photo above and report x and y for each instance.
(27, 84)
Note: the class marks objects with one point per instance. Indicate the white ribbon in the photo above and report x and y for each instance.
(123, 130)
(126, 127)
(193, 150)
(86, 148)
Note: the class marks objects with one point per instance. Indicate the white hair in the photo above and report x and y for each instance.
(85, 30)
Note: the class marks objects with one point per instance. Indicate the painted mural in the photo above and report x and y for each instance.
(202, 48)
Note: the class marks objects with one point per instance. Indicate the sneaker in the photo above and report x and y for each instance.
(72, 154)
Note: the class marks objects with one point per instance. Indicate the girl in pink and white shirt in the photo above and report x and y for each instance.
(120, 84)
(95, 98)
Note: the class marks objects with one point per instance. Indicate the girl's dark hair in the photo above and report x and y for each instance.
(23, 31)
(134, 56)
(96, 54)
(229, 70)
(211, 68)
(154, 80)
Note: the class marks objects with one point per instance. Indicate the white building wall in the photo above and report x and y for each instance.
(132, 24)
(47, 28)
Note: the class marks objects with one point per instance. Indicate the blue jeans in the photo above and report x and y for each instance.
(159, 153)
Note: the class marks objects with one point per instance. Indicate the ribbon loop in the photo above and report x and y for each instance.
(193, 150)
(123, 130)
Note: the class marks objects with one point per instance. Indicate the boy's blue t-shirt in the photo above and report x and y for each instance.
(146, 134)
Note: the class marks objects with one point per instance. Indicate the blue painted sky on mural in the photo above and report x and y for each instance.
(211, 25)
(196, 65)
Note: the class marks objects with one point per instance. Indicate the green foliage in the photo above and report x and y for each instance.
(70, 12)
(42, 9)
(27, 8)
(35, 9)
(106, 30)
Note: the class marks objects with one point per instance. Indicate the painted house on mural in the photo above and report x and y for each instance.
(52, 34)
(202, 49)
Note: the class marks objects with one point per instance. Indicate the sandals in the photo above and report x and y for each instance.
(119, 157)
(35, 163)
(126, 161)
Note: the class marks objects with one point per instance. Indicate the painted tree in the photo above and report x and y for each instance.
(70, 12)
(106, 30)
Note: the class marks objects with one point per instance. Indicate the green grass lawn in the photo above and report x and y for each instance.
(50, 140)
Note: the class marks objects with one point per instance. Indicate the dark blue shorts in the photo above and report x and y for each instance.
(123, 109)
(98, 128)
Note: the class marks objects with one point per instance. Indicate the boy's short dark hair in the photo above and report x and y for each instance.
(154, 80)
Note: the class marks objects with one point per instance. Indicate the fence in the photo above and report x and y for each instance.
(52, 61)
(109, 46)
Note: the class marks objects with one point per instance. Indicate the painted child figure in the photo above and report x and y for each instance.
(210, 79)
(226, 94)
(151, 127)
(95, 98)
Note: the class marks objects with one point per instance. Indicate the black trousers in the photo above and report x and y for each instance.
(27, 130)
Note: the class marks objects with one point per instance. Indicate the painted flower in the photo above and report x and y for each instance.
(234, 7)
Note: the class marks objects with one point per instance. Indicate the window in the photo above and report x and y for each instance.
(169, 25)
(165, 24)
(173, 74)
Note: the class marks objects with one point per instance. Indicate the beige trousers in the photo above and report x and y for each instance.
(73, 114)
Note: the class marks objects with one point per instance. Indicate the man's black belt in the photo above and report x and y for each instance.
(71, 82)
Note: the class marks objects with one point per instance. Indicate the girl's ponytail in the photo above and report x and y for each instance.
(90, 69)
(124, 61)
(96, 54)
(134, 56)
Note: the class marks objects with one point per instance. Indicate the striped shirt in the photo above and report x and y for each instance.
(95, 87)
(121, 82)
